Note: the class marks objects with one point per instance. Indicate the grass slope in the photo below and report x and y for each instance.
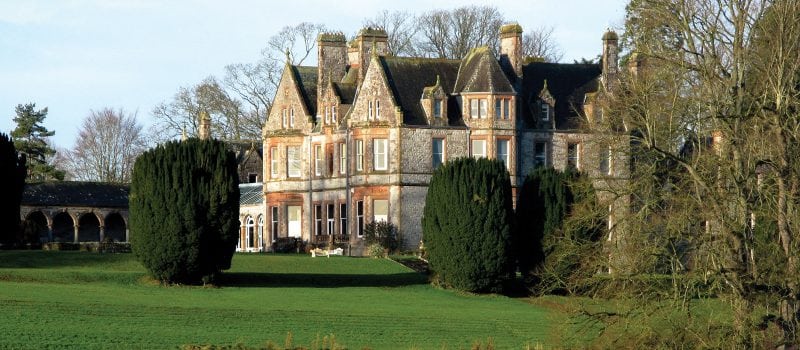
(86, 300)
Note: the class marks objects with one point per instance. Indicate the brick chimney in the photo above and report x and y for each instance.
(610, 59)
(368, 41)
(511, 47)
(331, 58)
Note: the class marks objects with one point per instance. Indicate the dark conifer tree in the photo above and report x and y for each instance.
(184, 207)
(467, 224)
(30, 139)
(12, 176)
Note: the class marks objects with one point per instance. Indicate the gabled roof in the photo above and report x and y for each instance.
(481, 72)
(77, 194)
(567, 83)
(346, 92)
(242, 148)
(408, 77)
(251, 194)
(307, 79)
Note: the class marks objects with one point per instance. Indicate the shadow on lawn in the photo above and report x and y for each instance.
(313, 280)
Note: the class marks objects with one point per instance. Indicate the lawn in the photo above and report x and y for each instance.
(88, 300)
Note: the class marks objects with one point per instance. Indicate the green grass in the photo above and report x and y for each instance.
(88, 300)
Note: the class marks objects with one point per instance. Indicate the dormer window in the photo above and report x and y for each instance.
(327, 115)
(437, 108)
(333, 114)
(545, 111)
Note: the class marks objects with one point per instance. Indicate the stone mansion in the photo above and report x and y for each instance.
(357, 138)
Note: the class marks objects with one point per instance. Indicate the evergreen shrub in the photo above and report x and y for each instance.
(184, 209)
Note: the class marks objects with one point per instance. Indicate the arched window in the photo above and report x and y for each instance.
(250, 234)
(260, 232)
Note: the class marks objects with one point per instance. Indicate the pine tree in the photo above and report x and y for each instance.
(30, 139)
(467, 225)
(184, 206)
(12, 176)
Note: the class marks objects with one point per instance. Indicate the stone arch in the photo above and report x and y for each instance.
(36, 225)
(63, 227)
(114, 227)
(89, 228)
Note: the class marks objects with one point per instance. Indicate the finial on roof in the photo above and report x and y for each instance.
(437, 80)
(288, 55)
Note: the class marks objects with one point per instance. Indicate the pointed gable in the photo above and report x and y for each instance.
(481, 72)
(307, 78)
(408, 78)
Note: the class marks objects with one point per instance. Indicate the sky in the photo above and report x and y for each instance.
(75, 56)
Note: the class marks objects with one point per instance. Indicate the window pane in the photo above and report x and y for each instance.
(359, 155)
(273, 164)
(293, 160)
(380, 210)
(573, 155)
(479, 148)
(506, 108)
(437, 108)
(380, 154)
(498, 110)
(540, 154)
(502, 152)
(605, 160)
(473, 108)
(483, 108)
(437, 152)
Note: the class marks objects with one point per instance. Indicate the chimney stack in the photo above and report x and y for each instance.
(511, 47)
(331, 57)
(204, 130)
(610, 59)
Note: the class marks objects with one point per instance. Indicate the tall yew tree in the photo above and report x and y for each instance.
(12, 176)
(467, 224)
(184, 207)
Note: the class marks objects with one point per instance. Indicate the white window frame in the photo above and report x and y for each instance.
(333, 113)
(377, 109)
(343, 219)
(482, 103)
(327, 115)
(291, 118)
(369, 110)
(380, 156)
(360, 218)
(330, 218)
(260, 232)
(274, 223)
(317, 219)
(250, 233)
(296, 160)
(505, 157)
(506, 108)
(472, 148)
(383, 216)
(474, 110)
(360, 155)
(437, 156)
(605, 161)
(273, 162)
(545, 111)
(536, 155)
(577, 155)
(318, 160)
(283, 118)
(298, 223)
(342, 158)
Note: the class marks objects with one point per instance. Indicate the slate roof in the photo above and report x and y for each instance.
(76, 194)
(251, 194)
(306, 77)
(481, 72)
(346, 92)
(567, 83)
(408, 77)
(241, 148)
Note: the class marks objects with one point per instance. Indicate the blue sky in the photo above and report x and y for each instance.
(74, 56)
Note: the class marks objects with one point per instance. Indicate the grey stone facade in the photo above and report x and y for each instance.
(357, 138)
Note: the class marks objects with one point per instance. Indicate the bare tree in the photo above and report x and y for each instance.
(451, 34)
(293, 43)
(539, 43)
(710, 109)
(107, 146)
(401, 27)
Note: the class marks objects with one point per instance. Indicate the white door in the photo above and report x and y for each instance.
(294, 221)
